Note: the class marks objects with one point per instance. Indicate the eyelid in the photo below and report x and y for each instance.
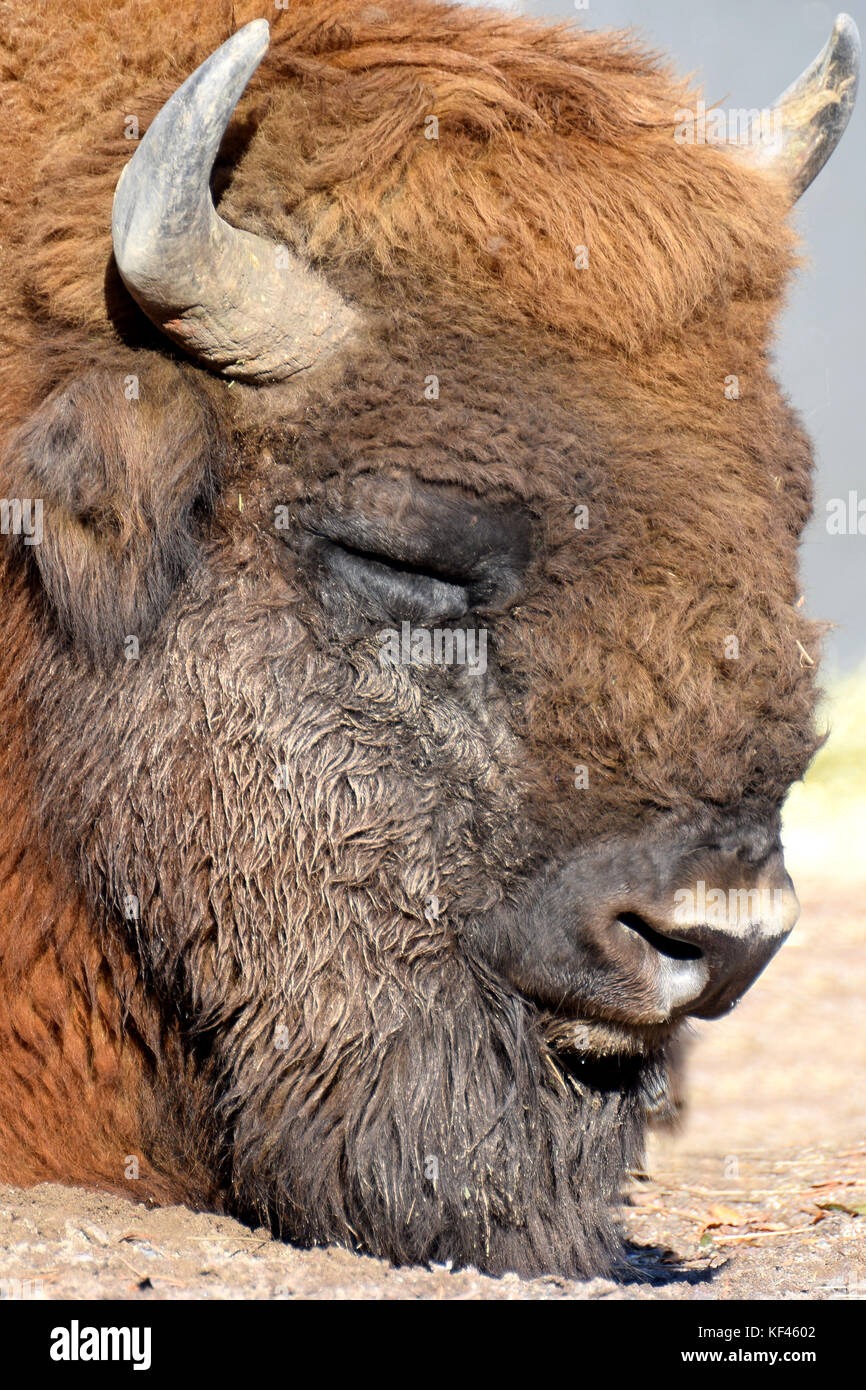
(386, 558)
(432, 528)
(412, 550)
(411, 594)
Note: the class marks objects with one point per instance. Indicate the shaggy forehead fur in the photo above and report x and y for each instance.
(549, 139)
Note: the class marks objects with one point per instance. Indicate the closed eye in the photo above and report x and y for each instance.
(394, 547)
(392, 589)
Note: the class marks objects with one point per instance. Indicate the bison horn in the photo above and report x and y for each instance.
(241, 304)
(810, 117)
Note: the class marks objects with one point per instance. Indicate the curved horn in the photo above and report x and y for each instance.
(240, 304)
(811, 115)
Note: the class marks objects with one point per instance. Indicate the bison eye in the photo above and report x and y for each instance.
(396, 548)
(390, 588)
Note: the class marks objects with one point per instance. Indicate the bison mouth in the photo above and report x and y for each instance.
(602, 1038)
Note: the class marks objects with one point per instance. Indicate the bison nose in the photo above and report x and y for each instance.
(699, 954)
(648, 928)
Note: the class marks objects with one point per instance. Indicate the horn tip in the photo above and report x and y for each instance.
(256, 35)
(844, 25)
(843, 59)
(844, 44)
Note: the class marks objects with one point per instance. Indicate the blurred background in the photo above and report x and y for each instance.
(744, 54)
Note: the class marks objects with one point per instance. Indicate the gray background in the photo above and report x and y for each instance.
(745, 53)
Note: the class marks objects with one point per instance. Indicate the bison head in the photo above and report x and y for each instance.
(416, 672)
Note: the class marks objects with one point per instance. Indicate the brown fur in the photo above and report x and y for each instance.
(558, 386)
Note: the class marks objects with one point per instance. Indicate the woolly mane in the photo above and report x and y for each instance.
(549, 138)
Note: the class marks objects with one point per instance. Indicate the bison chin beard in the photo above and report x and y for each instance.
(464, 1138)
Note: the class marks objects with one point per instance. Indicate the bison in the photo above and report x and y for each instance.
(402, 669)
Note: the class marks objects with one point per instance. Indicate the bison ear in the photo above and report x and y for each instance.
(120, 472)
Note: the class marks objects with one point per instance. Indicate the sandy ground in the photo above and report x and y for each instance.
(761, 1194)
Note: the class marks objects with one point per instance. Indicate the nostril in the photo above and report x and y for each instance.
(669, 973)
(670, 946)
